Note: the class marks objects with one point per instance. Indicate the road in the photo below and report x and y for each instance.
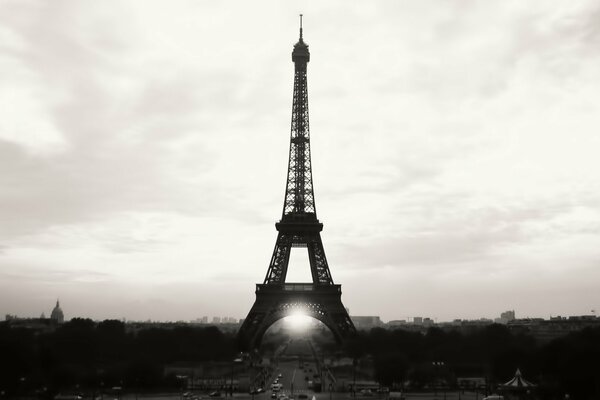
(297, 367)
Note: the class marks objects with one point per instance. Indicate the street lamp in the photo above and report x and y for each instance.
(354, 362)
(436, 367)
(236, 360)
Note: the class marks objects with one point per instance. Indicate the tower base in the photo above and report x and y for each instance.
(273, 302)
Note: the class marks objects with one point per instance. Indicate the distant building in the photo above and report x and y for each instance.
(509, 315)
(555, 327)
(366, 322)
(505, 317)
(57, 315)
(418, 320)
(204, 320)
(216, 320)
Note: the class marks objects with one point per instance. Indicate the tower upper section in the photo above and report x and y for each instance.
(300, 55)
(299, 204)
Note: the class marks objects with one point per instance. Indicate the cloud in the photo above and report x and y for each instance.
(149, 143)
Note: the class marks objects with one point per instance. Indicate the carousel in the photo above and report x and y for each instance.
(517, 388)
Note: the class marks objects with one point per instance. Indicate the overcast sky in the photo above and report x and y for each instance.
(455, 149)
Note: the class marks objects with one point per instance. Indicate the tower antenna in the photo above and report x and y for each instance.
(300, 26)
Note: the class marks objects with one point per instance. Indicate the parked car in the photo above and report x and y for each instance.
(215, 394)
(494, 397)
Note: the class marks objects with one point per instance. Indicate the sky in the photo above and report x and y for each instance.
(455, 152)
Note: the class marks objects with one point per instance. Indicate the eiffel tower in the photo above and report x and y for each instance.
(298, 227)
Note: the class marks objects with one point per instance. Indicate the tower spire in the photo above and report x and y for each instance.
(300, 27)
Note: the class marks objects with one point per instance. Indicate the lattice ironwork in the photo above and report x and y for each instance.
(299, 195)
(299, 227)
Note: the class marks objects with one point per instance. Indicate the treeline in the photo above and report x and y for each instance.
(570, 364)
(90, 356)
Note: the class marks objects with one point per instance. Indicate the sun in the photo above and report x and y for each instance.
(298, 320)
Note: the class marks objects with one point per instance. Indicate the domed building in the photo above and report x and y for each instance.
(57, 314)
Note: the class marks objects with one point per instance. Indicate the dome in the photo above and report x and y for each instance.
(57, 314)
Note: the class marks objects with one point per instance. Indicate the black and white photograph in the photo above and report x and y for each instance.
(300, 200)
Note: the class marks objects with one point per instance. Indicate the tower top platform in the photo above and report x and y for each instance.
(301, 53)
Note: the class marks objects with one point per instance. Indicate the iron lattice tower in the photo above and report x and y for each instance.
(298, 227)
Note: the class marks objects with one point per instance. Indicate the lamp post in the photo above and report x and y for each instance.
(436, 369)
(231, 381)
(354, 362)
(236, 360)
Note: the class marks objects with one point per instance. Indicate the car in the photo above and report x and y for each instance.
(215, 394)
(303, 396)
(280, 376)
(273, 395)
(494, 397)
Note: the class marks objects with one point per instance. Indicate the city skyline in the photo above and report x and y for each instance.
(454, 148)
